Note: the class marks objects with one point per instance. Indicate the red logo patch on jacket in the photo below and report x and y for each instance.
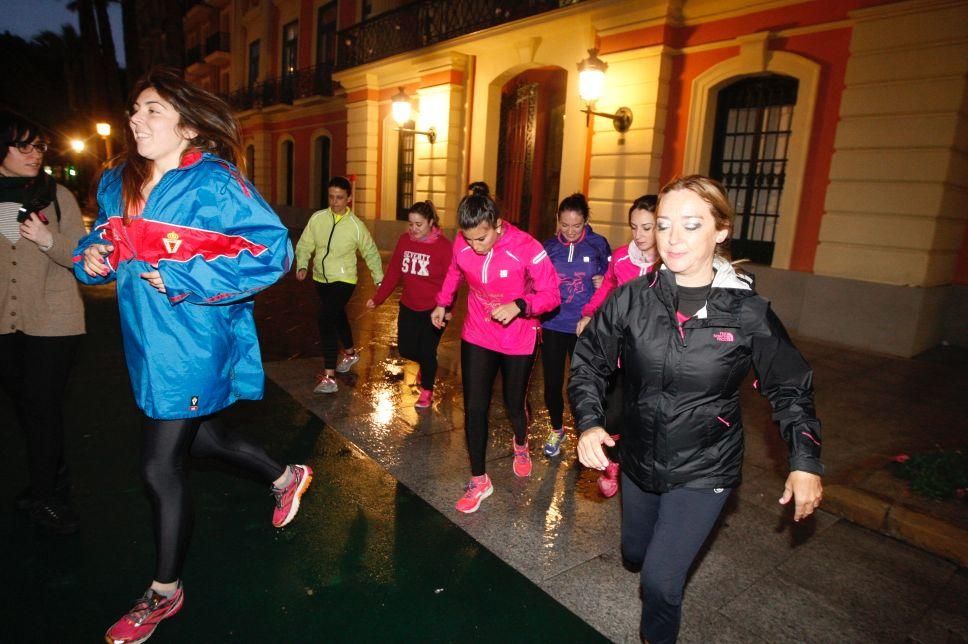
(724, 336)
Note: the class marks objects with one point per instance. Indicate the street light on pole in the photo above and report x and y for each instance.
(104, 130)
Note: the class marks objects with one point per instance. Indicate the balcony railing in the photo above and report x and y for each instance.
(307, 82)
(425, 22)
(219, 41)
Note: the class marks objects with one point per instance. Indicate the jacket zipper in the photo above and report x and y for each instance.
(487, 261)
(322, 262)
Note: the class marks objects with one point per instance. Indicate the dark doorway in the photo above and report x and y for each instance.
(529, 155)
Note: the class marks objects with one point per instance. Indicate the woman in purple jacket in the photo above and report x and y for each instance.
(511, 282)
(580, 257)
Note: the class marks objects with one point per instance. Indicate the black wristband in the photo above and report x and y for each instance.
(522, 305)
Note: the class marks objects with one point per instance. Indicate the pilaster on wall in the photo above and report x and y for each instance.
(362, 126)
(262, 141)
(438, 166)
(897, 204)
(625, 166)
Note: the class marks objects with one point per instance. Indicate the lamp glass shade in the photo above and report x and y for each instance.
(591, 84)
(103, 129)
(402, 109)
(77, 145)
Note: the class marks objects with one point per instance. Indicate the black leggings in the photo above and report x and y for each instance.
(555, 347)
(417, 340)
(332, 319)
(479, 367)
(34, 373)
(662, 533)
(164, 444)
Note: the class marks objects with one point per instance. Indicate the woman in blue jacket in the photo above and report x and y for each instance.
(581, 258)
(189, 242)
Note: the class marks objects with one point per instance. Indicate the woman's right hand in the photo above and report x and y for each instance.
(370, 304)
(94, 263)
(590, 452)
(582, 323)
(437, 317)
(301, 274)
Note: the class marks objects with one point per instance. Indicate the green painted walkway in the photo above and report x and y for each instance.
(365, 560)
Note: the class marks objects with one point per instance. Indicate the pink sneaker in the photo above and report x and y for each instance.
(140, 622)
(522, 459)
(426, 398)
(287, 499)
(476, 491)
(608, 482)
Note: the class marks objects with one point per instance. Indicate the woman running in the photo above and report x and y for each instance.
(580, 257)
(420, 260)
(511, 282)
(189, 242)
(687, 338)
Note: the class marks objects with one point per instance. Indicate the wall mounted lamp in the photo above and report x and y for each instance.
(402, 110)
(591, 83)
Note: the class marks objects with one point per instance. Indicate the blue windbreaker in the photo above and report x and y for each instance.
(576, 263)
(216, 242)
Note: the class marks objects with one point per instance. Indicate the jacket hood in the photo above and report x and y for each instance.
(637, 257)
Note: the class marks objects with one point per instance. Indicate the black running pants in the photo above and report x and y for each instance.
(417, 340)
(555, 348)
(332, 319)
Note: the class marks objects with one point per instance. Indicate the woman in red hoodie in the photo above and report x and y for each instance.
(420, 261)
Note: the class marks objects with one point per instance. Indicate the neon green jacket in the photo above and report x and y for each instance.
(333, 245)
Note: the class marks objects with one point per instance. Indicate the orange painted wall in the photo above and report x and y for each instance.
(961, 268)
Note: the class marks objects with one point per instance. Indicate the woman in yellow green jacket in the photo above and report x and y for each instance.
(332, 238)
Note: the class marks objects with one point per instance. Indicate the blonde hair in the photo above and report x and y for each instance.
(713, 193)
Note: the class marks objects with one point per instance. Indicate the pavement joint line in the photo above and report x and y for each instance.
(902, 523)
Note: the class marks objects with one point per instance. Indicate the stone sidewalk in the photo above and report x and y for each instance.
(761, 579)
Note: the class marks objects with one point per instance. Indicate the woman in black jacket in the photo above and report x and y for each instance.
(687, 336)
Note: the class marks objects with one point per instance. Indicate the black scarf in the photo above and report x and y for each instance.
(34, 193)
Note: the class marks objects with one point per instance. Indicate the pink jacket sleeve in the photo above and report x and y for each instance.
(392, 276)
(609, 284)
(448, 290)
(546, 293)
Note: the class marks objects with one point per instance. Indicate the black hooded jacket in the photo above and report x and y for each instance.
(682, 421)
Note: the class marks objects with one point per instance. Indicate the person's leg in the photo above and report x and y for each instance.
(213, 440)
(407, 334)
(326, 319)
(479, 367)
(640, 510)
(686, 517)
(515, 377)
(428, 340)
(341, 293)
(554, 349)
(164, 446)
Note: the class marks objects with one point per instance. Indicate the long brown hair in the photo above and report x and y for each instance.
(218, 130)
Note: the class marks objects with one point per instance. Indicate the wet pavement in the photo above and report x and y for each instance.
(378, 552)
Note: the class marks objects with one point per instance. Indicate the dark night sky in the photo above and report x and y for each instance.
(27, 18)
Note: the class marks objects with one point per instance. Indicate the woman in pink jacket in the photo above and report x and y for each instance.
(627, 263)
(511, 283)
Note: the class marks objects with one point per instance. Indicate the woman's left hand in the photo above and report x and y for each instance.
(597, 281)
(806, 491)
(505, 313)
(35, 230)
(154, 278)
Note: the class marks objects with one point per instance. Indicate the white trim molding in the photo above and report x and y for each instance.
(756, 58)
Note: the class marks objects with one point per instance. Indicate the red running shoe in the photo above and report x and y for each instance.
(426, 399)
(287, 499)
(522, 459)
(139, 623)
(608, 482)
(476, 491)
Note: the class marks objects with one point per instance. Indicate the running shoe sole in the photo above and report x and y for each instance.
(483, 496)
(303, 486)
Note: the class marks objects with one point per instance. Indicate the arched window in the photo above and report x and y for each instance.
(750, 151)
(405, 171)
(321, 151)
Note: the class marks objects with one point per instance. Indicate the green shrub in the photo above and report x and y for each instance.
(936, 475)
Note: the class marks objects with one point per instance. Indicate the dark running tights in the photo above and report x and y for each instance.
(333, 323)
(555, 348)
(479, 367)
(663, 533)
(164, 445)
(417, 340)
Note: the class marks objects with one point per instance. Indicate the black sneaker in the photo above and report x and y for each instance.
(54, 516)
(62, 492)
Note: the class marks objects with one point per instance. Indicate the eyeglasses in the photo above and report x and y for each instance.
(27, 147)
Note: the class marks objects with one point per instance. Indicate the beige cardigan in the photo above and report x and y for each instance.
(38, 292)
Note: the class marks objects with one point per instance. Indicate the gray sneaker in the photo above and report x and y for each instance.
(347, 361)
(325, 385)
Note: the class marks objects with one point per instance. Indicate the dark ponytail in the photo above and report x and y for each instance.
(426, 210)
(574, 203)
(477, 207)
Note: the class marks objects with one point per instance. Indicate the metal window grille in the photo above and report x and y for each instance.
(750, 147)
(405, 154)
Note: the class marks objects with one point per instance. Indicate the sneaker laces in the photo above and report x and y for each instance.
(473, 485)
(145, 605)
(278, 493)
(321, 377)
